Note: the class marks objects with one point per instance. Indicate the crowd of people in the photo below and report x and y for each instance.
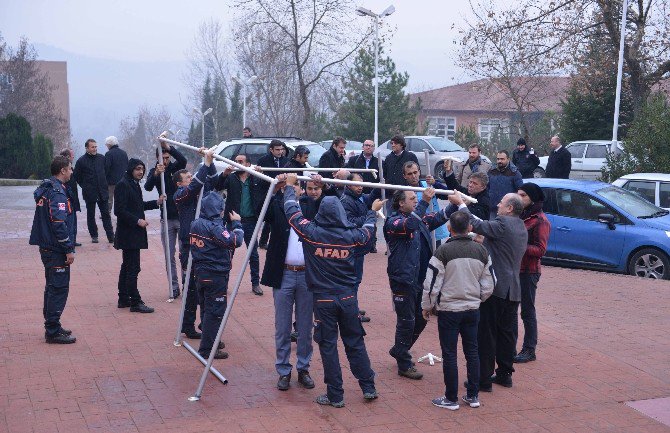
(470, 264)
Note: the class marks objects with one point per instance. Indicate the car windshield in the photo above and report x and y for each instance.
(444, 145)
(631, 203)
(354, 145)
(315, 152)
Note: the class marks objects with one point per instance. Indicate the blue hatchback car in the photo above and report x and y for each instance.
(596, 225)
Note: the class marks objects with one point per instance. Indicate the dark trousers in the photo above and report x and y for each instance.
(248, 228)
(449, 325)
(496, 338)
(265, 235)
(410, 323)
(192, 299)
(130, 269)
(213, 292)
(56, 289)
(74, 230)
(106, 218)
(358, 271)
(528, 316)
(341, 311)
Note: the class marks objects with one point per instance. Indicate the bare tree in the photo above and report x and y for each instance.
(26, 91)
(138, 133)
(314, 34)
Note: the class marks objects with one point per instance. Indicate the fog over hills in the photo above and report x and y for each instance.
(103, 92)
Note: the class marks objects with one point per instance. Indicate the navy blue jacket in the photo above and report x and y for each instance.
(186, 199)
(408, 238)
(54, 218)
(329, 243)
(155, 181)
(503, 182)
(357, 207)
(212, 244)
(116, 162)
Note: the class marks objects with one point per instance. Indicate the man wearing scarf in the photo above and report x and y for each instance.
(538, 228)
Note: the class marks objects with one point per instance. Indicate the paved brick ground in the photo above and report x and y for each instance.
(603, 341)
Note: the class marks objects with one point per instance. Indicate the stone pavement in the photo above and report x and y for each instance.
(604, 341)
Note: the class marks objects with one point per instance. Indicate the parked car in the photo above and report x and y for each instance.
(596, 225)
(655, 187)
(588, 158)
(256, 147)
(353, 148)
(437, 148)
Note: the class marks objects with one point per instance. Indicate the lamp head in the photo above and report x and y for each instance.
(252, 79)
(365, 12)
(209, 110)
(388, 11)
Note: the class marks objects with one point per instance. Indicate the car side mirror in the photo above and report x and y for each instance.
(431, 151)
(608, 219)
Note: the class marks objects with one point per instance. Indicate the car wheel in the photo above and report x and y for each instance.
(538, 173)
(438, 173)
(650, 263)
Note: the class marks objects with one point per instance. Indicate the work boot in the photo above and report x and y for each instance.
(192, 334)
(364, 319)
(411, 373)
(323, 399)
(141, 308)
(59, 338)
(94, 240)
(219, 354)
(257, 290)
(502, 380)
(305, 380)
(284, 382)
(65, 331)
(526, 355)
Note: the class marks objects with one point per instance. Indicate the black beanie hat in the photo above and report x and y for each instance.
(534, 192)
(521, 142)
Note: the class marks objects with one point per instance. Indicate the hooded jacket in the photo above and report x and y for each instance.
(53, 222)
(503, 182)
(410, 245)
(212, 244)
(129, 208)
(329, 243)
(186, 199)
(179, 163)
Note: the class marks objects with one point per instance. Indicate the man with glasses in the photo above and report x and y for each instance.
(366, 159)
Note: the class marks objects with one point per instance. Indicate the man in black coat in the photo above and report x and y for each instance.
(116, 162)
(154, 181)
(394, 161)
(73, 194)
(525, 159)
(366, 159)
(299, 160)
(244, 195)
(333, 157)
(276, 157)
(560, 160)
(131, 233)
(89, 172)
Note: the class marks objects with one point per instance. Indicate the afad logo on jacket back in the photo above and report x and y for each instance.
(331, 253)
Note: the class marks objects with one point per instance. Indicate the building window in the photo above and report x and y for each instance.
(442, 127)
(489, 127)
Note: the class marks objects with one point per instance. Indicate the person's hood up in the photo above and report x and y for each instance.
(212, 206)
(332, 214)
(46, 184)
(132, 163)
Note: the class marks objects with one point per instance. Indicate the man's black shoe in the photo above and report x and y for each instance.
(60, 338)
(526, 355)
(373, 250)
(361, 312)
(65, 331)
(222, 345)
(110, 239)
(482, 388)
(284, 382)
(94, 240)
(502, 380)
(365, 319)
(263, 246)
(305, 380)
(256, 289)
(141, 308)
(219, 354)
(294, 337)
(192, 334)
(121, 304)
(77, 244)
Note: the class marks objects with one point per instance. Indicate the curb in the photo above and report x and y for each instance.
(20, 182)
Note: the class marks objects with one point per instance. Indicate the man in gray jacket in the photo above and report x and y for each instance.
(458, 280)
(505, 239)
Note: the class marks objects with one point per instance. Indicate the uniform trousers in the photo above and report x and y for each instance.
(56, 289)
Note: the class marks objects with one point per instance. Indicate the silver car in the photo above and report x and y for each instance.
(438, 148)
(588, 158)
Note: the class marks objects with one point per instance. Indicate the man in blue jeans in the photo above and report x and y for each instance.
(458, 280)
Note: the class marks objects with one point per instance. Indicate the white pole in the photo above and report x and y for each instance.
(244, 106)
(166, 235)
(426, 154)
(617, 103)
(376, 18)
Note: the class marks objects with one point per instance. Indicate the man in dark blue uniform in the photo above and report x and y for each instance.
(186, 201)
(330, 242)
(212, 248)
(407, 232)
(52, 232)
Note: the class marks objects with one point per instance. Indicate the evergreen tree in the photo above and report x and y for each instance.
(354, 117)
(220, 115)
(235, 125)
(43, 149)
(207, 103)
(16, 147)
(139, 140)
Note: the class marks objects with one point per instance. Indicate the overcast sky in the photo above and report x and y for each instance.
(152, 30)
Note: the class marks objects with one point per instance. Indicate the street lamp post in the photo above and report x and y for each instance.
(244, 84)
(202, 116)
(376, 18)
(617, 101)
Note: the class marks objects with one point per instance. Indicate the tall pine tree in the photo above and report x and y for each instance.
(207, 103)
(354, 117)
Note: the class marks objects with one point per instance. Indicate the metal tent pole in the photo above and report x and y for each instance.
(426, 154)
(166, 235)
